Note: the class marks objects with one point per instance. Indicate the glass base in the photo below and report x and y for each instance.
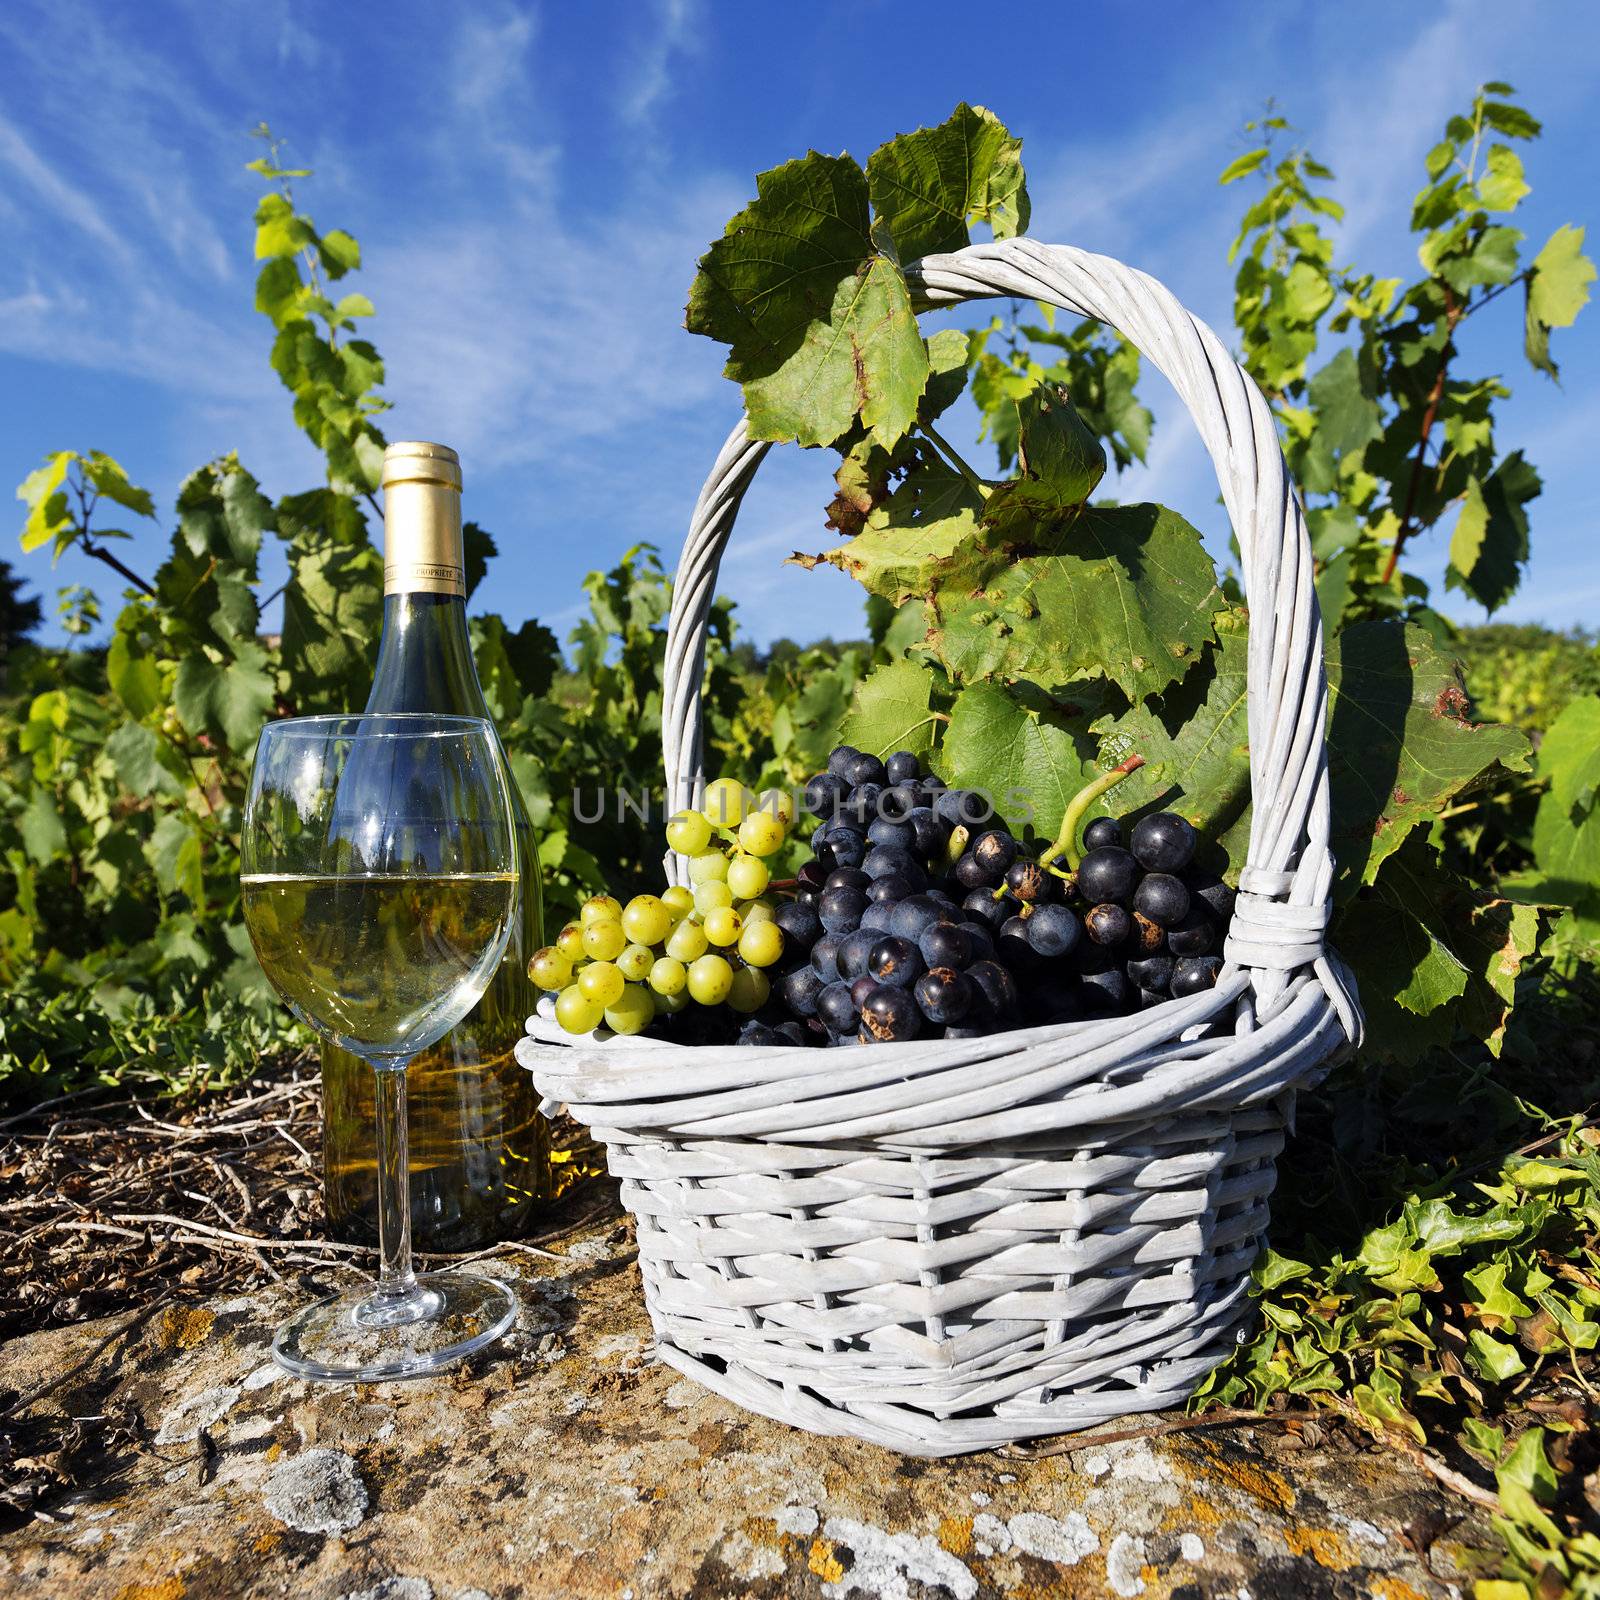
(360, 1337)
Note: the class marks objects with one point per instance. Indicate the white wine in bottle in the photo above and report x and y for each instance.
(480, 1151)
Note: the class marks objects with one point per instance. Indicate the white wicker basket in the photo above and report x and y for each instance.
(946, 1246)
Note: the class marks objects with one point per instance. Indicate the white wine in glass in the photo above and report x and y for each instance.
(379, 882)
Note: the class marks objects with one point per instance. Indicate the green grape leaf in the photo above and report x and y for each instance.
(173, 851)
(48, 518)
(332, 614)
(132, 672)
(818, 321)
(111, 483)
(1127, 591)
(929, 184)
(1347, 414)
(535, 656)
(318, 514)
(1421, 972)
(222, 513)
(1559, 287)
(805, 725)
(497, 676)
(230, 698)
(1195, 739)
(339, 252)
(1570, 754)
(40, 828)
(1568, 855)
(1059, 462)
(1399, 747)
(1498, 939)
(1508, 119)
(1490, 544)
(135, 755)
(915, 537)
(1029, 754)
(279, 231)
(1491, 258)
(893, 709)
(1243, 166)
(947, 373)
(280, 290)
(478, 550)
(1502, 186)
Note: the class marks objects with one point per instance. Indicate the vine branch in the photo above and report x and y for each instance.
(1453, 312)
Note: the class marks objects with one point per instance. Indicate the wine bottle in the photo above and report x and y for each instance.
(480, 1151)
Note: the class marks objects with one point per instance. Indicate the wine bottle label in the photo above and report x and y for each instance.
(422, 520)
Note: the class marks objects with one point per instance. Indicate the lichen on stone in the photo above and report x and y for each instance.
(317, 1491)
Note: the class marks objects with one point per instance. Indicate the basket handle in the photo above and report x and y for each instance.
(1282, 908)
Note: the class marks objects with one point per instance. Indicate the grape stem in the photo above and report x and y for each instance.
(1067, 840)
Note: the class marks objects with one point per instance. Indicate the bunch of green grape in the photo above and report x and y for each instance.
(709, 943)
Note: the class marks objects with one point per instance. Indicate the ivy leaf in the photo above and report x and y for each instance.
(1490, 543)
(1195, 739)
(1124, 590)
(893, 709)
(1569, 754)
(1493, 1358)
(1022, 750)
(230, 698)
(927, 185)
(818, 321)
(1399, 747)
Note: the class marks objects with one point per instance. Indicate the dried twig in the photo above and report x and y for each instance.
(1070, 1443)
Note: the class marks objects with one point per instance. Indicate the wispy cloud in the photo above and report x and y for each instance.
(62, 198)
(651, 80)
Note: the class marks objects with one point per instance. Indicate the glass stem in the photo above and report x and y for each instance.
(397, 1283)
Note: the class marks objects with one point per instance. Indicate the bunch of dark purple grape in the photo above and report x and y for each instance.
(920, 915)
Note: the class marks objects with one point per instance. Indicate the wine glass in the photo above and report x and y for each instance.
(379, 879)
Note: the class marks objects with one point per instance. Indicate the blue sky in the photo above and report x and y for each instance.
(531, 185)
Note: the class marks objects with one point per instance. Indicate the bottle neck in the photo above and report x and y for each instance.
(425, 659)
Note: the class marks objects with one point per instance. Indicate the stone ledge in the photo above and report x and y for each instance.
(571, 1464)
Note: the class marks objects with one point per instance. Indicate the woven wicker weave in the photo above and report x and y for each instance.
(945, 1246)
